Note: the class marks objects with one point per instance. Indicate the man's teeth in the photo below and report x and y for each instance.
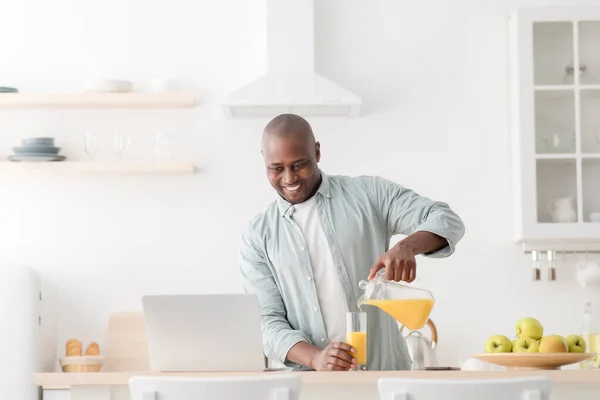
(292, 188)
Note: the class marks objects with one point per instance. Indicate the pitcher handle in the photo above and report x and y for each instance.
(434, 334)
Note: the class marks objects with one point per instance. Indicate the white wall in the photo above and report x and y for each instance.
(433, 78)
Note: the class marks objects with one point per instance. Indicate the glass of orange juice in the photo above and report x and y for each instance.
(356, 336)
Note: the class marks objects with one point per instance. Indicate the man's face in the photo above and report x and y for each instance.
(291, 163)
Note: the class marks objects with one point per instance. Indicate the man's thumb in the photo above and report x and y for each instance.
(378, 265)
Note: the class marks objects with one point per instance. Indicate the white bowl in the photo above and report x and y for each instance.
(38, 141)
(108, 86)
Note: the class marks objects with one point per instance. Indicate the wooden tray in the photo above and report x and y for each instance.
(533, 360)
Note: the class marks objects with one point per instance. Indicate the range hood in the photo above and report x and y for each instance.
(291, 84)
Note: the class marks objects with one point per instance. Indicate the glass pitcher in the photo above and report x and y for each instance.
(409, 305)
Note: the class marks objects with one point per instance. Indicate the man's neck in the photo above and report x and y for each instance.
(316, 188)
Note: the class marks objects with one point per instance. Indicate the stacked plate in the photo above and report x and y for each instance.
(36, 149)
(4, 89)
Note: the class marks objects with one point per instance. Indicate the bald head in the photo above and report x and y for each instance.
(291, 156)
(287, 125)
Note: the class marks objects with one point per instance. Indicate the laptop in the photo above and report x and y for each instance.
(203, 333)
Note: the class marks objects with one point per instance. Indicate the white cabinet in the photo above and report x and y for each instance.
(20, 309)
(555, 126)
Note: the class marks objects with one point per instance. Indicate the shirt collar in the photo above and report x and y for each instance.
(286, 208)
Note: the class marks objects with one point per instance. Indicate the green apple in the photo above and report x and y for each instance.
(553, 344)
(498, 344)
(575, 343)
(529, 327)
(525, 345)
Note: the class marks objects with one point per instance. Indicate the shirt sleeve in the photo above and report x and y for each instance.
(257, 278)
(404, 212)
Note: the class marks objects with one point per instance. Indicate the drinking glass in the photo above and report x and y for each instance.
(120, 144)
(91, 144)
(356, 336)
(162, 145)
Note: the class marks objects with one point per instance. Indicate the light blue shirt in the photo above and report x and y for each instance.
(359, 215)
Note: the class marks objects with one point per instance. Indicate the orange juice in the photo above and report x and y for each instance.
(358, 340)
(412, 313)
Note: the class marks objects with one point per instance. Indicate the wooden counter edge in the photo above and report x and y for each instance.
(55, 380)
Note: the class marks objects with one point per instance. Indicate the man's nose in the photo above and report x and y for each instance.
(289, 177)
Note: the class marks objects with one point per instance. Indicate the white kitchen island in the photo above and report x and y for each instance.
(355, 385)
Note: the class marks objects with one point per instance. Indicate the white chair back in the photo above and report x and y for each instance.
(530, 388)
(269, 387)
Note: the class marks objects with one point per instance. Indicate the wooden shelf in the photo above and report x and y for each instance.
(96, 168)
(102, 100)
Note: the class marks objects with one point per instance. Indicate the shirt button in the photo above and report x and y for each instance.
(322, 339)
(315, 309)
(310, 278)
(302, 248)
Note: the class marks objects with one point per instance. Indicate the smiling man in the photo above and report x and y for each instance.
(305, 254)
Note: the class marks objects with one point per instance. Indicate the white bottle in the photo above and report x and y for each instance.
(589, 332)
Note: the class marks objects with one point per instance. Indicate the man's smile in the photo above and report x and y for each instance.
(292, 189)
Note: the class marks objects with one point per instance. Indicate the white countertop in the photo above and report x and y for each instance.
(62, 380)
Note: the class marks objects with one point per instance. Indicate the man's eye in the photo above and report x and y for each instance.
(277, 169)
(301, 165)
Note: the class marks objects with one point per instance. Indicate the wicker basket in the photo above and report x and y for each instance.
(82, 363)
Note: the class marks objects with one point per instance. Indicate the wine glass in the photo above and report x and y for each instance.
(91, 144)
(161, 144)
(120, 144)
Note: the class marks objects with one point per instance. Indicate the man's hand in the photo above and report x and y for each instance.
(399, 263)
(335, 357)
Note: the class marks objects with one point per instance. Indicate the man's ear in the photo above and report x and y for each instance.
(318, 151)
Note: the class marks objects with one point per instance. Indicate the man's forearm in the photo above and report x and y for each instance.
(303, 353)
(422, 242)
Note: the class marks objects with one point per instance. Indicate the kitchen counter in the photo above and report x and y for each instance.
(64, 380)
(567, 384)
(127, 352)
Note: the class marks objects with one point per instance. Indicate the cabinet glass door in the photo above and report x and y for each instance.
(555, 122)
(590, 120)
(591, 190)
(553, 53)
(557, 190)
(589, 54)
(566, 75)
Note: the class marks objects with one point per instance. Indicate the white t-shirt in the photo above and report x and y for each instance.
(332, 299)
